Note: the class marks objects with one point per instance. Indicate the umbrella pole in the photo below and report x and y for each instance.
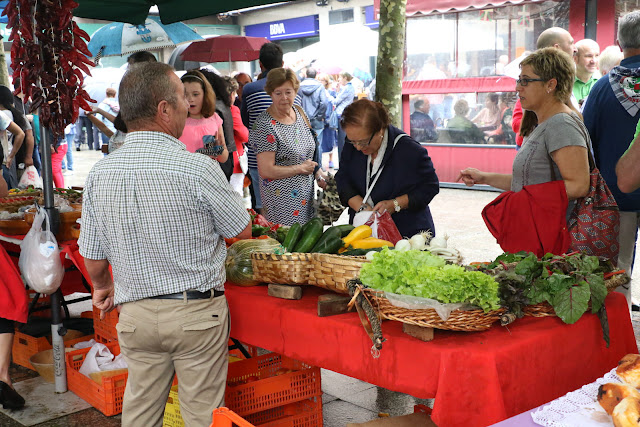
(57, 329)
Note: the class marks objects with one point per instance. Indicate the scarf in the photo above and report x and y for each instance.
(625, 83)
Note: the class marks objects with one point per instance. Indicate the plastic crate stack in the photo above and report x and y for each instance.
(270, 390)
(105, 329)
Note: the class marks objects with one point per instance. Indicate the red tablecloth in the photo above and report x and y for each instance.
(476, 378)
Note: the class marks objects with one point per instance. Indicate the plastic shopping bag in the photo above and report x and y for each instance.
(40, 262)
(30, 177)
(383, 227)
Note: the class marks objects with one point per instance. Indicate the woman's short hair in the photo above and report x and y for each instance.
(551, 63)
(232, 83)
(461, 108)
(279, 76)
(209, 96)
(493, 97)
(370, 115)
(346, 75)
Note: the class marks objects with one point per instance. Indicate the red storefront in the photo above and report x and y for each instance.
(469, 50)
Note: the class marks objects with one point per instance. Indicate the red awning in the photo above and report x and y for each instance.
(425, 7)
(462, 85)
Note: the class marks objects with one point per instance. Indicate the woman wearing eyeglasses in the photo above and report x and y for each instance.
(552, 163)
(384, 169)
(286, 153)
(555, 145)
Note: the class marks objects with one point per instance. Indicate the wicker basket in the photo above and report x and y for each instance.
(291, 269)
(544, 309)
(332, 271)
(459, 320)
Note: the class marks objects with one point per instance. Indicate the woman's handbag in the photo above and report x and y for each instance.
(594, 223)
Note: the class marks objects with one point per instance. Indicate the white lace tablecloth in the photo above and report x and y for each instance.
(577, 408)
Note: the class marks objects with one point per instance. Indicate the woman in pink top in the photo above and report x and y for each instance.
(203, 119)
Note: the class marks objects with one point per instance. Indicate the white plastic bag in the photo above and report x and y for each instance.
(40, 263)
(243, 160)
(100, 358)
(30, 177)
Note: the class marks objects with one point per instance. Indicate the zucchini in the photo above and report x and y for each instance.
(345, 229)
(361, 252)
(330, 233)
(293, 235)
(329, 246)
(310, 236)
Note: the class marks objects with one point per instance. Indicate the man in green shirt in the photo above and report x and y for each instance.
(586, 59)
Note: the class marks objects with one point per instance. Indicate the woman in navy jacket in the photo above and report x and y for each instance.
(396, 168)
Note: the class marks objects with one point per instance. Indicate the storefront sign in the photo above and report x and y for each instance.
(305, 26)
(370, 17)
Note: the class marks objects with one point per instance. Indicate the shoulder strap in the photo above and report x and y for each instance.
(587, 137)
(303, 114)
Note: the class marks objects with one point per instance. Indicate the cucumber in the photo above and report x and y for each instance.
(310, 236)
(293, 235)
(330, 233)
(345, 229)
(329, 246)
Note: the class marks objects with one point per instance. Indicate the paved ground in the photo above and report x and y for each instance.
(455, 212)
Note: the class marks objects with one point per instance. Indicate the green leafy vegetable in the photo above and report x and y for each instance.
(421, 274)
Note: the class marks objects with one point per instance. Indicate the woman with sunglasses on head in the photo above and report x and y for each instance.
(203, 123)
(286, 152)
(555, 144)
(384, 169)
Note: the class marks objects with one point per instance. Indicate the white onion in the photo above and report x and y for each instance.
(370, 255)
(438, 242)
(403, 245)
(418, 242)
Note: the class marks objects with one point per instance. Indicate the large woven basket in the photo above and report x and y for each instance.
(290, 269)
(332, 271)
(544, 309)
(459, 320)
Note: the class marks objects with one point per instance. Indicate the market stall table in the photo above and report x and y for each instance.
(476, 378)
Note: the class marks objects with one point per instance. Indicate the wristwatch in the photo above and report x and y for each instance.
(396, 205)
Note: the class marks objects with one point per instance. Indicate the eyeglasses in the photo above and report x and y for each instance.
(360, 143)
(525, 82)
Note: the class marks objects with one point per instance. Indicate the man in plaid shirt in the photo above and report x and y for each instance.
(157, 215)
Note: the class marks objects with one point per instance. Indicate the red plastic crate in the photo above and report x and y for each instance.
(105, 329)
(25, 346)
(107, 396)
(275, 380)
(306, 413)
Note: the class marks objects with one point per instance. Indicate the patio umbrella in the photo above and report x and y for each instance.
(225, 48)
(136, 11)
(121, 39)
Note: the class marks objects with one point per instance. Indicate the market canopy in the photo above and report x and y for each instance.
(135, 11)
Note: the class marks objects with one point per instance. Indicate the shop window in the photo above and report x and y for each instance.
(478, 42)
(463, 118)
(341, 16)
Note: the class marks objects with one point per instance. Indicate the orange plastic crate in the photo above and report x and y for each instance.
(25, 346)
(223, 417)
(105, 397)
(306, 413)
(269, 381)
(105, 329)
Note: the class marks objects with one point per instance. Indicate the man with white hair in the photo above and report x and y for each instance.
(611, 113)
(586, 59)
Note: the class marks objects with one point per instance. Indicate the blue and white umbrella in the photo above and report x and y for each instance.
(119, 39)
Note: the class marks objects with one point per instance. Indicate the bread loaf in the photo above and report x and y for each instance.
(627, 413)
(629, 369)
(610, 394)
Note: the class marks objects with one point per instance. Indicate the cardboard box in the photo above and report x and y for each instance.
(411, 420)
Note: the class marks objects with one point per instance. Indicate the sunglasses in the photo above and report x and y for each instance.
(360, 143)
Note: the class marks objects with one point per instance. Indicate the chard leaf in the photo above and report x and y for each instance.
(598, 291)
(571, 303)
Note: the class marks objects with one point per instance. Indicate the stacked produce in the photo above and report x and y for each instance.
(421, 274)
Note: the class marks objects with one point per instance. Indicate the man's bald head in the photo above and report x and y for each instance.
(557, 37)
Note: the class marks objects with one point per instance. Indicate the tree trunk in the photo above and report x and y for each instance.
(4, 72)
(389, 69)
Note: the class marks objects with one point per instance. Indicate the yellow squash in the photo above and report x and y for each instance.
(358, 233)
(370, 243)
